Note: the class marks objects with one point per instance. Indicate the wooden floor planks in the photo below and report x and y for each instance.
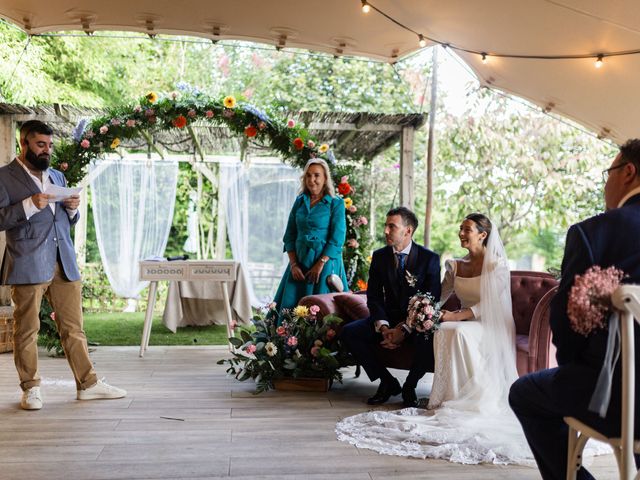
(184, 419)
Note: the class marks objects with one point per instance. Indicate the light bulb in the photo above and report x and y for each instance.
(421, 41)
(365, 7)
(484, 58)
(598, 63)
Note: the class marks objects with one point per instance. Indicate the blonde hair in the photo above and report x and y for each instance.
(328, 184)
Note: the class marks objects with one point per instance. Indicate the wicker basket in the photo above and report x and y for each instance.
(6, 329)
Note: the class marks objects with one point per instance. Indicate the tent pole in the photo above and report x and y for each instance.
(429, 163)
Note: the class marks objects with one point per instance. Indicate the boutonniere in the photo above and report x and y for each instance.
(410, 278)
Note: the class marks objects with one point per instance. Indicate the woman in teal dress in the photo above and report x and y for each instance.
(314, 238)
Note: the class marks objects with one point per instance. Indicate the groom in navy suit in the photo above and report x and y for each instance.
(541, 399)
(397, 272)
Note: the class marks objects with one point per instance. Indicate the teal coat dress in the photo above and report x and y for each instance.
(312, 233)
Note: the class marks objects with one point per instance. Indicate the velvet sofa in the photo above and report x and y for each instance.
(531, 294)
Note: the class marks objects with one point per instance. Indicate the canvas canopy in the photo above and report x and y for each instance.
(606, 99)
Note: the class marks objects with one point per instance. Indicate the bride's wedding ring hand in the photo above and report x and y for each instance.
(448, 316)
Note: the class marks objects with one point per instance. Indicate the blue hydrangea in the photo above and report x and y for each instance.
(258, 113)
(79, 130)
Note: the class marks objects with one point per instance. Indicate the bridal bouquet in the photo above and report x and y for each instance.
(299, 346)
(590, 298)
(423, 313)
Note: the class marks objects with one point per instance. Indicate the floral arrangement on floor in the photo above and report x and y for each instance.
(301, 346)
(423, 313)
(180, 110)
(589, 302)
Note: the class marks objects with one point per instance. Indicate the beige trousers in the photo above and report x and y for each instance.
(65, 298)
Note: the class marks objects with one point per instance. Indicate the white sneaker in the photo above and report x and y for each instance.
(101, 390)
(31, 399)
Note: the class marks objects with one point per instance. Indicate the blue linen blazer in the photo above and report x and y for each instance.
(609, 239)
(388, 295)
(33, 245)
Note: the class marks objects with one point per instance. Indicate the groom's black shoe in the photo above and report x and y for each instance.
(409, 397)
(386, 390)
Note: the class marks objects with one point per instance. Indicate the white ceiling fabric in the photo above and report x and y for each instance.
(605, 100)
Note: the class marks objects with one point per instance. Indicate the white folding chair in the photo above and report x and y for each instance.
(627, 300)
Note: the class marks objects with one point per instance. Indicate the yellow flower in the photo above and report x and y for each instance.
(152, 97)
(369, 258)
(348, 202)
(301, 311)
(323, 148)
(229, 101)
(115, 143)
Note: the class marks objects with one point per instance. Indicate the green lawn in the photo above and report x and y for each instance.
(126, 329)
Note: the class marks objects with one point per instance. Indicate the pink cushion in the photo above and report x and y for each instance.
(353, 305)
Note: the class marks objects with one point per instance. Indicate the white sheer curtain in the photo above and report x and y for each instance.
(132, 202)
(258, 201)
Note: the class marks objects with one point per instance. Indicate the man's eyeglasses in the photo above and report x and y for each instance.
(605, 173)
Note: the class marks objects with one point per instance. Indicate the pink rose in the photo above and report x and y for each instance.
(331, 333)
(291, 124)
(344, 179)
(262, 125)
(130, 123)
(292, 341)
(89, 134)
(251, 349)
(353, 209)
(281, 331)
(115, 122)
(353, 243)
(104, 129)
(315, 351)
(137, 109)
(314, 309)
(428, 325)
(64, 166)
(191, 113)
(363, 220)
(52, 315)
(228, 113)
(209, 114)
(311, 143)
(85, 143)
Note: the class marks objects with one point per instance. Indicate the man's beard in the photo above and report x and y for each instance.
(39, 162)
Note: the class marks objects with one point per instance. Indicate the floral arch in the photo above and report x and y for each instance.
(155, 113)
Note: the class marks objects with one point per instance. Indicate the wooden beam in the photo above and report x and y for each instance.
(369, 127)
(406, 167)
(7, 154)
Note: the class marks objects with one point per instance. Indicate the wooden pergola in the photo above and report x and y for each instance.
(357, 137)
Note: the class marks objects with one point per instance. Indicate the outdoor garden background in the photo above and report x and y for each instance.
(532, 173)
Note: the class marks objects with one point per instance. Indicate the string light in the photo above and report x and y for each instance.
(366, 7)
(598, 63)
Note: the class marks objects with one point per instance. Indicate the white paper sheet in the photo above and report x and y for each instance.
(57, 193)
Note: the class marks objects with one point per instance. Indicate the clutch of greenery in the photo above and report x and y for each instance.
(294, 345)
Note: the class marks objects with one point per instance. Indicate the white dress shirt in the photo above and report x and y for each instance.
(633, 192)
(29, 207)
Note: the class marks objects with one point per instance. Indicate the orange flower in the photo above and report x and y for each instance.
(361, 284)
(180, 121)
(298, 143)
(344, 188)
(250, 131)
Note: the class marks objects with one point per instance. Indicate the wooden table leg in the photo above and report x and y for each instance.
(227, 309)
(148, 318)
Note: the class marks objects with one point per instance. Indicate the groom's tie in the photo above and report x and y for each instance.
(402, 258)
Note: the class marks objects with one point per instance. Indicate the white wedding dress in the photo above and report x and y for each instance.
(468, 419)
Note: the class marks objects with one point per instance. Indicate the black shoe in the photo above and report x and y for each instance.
(385, 391)
(409, 397)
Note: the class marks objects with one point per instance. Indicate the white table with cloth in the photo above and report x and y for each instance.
(201, 302)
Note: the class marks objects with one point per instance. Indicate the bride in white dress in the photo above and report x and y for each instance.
(468, 419)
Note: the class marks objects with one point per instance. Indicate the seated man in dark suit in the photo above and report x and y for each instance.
(541, 399)
(397, 272)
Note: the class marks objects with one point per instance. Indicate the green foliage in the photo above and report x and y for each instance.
(48, 336)
(297, 347)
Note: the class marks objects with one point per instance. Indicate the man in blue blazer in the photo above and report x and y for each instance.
(397, 272)
(541, 399)
(39, 259)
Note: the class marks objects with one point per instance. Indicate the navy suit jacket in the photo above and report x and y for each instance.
(387, 294)
(608, 239)
(34, 245)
